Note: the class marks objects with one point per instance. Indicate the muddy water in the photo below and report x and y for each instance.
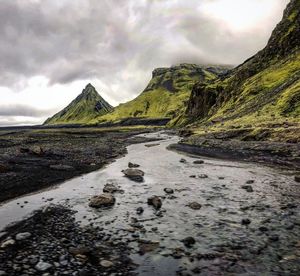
(269, 244)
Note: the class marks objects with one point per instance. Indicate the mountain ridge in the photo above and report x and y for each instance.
(85, 107)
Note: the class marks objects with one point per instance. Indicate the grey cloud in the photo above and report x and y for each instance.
(24, 111)
(71, 40)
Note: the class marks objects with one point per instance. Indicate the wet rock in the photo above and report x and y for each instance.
(23, 236)
(140, 210)
(245, 221)
(61, 167)
(248, 188)
(250, 181)
(198, 162)
(133, 165)
(202, 176)
(134, 174)
(193, 176)
(147, 246)
(7, 243)
(110, 188)
(195, 205)
(297, 178)
(43, 266)
(155, 201)
(106, 263)
(102, 200)
(168, 191)
(182, 160)
(189, 241)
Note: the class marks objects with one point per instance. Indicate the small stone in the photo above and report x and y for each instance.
(140, 210)
(195, 205)
(110, 188)
(203, 176)
(198, 162)
(42, 266)
(7, 243)
(182, 160)
(132, 165)
(23, 236)
(168, 190)
(106, 264)
(248, 188)
(189, 241)
(263, 229)
(250, 181)
(245, 221)
(155, 201)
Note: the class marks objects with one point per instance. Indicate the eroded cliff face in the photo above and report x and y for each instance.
(265, 86)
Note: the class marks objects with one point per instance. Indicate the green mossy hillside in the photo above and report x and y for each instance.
(167, 93)
(86, 107)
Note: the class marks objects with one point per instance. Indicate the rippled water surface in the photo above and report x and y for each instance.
(221, 239)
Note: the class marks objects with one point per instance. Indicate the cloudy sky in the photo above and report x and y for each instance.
(50, 49)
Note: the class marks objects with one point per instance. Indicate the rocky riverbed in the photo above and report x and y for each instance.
(186, 216)
(31, 159)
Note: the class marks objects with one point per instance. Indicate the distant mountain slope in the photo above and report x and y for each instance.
(264, 90)
(86, 107)
(166, 94)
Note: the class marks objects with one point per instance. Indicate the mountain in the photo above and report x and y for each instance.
(166, 94)
(262, 92)
(86, 107)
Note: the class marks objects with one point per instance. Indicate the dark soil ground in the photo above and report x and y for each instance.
(32, 159)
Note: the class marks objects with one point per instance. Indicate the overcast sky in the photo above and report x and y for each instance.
(50, 49)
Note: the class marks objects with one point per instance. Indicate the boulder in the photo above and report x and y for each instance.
(134, 174)
(102, 200)
(155, 201)
(133, 165)
(195, 205)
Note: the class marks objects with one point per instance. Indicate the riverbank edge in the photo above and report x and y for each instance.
(241, 152)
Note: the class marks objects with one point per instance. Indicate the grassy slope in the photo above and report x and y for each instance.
(166, 94)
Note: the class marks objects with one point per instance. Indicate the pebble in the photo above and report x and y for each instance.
(246, 221)
(106, 264)
(23, 236)
(42, 266)
(198, 162)
(168, 190)
(189, 241)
